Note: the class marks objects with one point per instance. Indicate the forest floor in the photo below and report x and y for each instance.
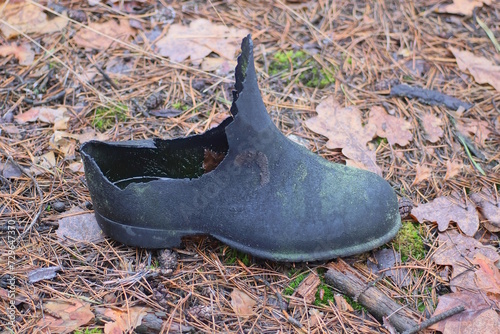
(71, 71)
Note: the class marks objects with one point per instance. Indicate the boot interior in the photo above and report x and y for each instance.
(183, 158)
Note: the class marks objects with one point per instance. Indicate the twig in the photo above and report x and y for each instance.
(429, 96)
(55, 97)
(278, 295)
(433, 320)
(106, 77)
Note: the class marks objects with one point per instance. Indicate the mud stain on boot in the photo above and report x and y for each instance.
(250, 157)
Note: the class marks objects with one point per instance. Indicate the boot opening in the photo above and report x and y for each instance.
(145, 161)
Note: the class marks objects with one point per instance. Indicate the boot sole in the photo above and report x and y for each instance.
(162, 238)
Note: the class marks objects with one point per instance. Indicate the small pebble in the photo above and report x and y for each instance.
(59, 206)
(88, 205)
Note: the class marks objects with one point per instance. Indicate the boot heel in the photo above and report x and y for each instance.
(141, 236)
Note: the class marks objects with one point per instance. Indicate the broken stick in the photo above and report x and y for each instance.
(344, 278)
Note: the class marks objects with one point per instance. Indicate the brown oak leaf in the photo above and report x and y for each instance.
(478, 316)
(122, 321)
(108, 32)
(432, 127)
(444, 210)
(396, 130)
(64, 316)
(487, 276)
(458, 251)
(474, 128)
(482, 69)
(344, 129)
(490, 208)
(462, 7)
(28, 18)
(23, 52)
(198, 40)
(453, 168)
(242, 303)
(422, 173)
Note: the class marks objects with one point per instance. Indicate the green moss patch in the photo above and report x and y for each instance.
(314, 76)
(106, 117)
(409, 242)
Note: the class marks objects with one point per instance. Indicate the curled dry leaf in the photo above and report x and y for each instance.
(344, 129)
(27, 17)
(462, 7)
(483, 70)
(458, 251)
(478, 317)
(453, 168)
(108, 32)
(490, 208)
(47, 115)
(79, 228)
(10, 170)
(65, 316)
(396, 130)
(474, 128)
(242, 303)
(386, 259)
(422, 173)
(41, 274)
(487, 276)
(444, 210)
(432, 127)
(23, 52)
(123, 321)
(197, 40)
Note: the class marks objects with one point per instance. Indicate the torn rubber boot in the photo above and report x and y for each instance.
(243, 183)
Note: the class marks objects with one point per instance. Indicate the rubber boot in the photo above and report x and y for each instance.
(243, 183)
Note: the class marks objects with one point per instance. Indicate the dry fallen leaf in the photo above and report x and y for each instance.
(41, 274)
(478, 316)
(10, 170)
(64, 316)
(482, 69)
(242, 303)
(197, 40)
(123, 321)
(23, 52)
(79, 228)
(476, 129)
(462, 7)
(47, 115)
(46, 160)
(422, 173)
(28, 18)
(384, 259)
(396, 130)
(344, 130)
(490, 208)
(458, 251)
(432, 127)
(487, 276)
(453, 168)
(109, 30)
(315, 316)
(220, 66)
(443, 210)
(308, 287)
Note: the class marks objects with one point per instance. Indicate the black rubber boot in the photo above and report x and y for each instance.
(243, 183)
